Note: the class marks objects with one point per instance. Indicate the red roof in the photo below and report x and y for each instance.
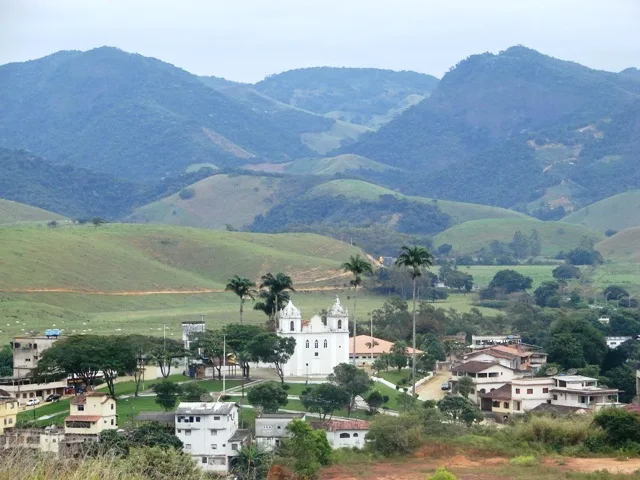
(337, 425)
(79, 400)
(633, 408)
(82, 399)
(82, 418)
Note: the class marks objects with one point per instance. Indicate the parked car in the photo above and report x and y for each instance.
(445, 386)
(32, 402)
(53, 398)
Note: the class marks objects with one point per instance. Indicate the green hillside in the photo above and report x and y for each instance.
(217, 201)
(622, 247)
(459, 211)
(333, 165)
(614, 213)
(12, 212)
(471, 236)
(121, 257)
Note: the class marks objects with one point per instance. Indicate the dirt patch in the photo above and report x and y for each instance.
(588, 465)
(268, 167)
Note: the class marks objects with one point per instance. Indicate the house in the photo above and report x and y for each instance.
(91, 413)
(484, 341)
(271, 428)
(24, 389)
(514, 358)
(27, 351)
(209, 433)
(344, 433)
(8, 413)
(320, 346)
(369, 348)
(582, 392)
(615, 342)
(604, 320)
(518, 396)
(50, 440)
(485, 375)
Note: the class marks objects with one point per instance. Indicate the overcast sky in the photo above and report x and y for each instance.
(245, 40)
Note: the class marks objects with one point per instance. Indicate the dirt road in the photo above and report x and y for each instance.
(431, 390)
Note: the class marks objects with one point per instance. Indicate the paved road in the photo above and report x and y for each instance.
(431, 390)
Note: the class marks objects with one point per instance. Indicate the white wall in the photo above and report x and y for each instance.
(529, 401)
(353, 441)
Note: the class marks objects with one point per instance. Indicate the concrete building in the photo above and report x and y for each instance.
(582, 392)
(209, 433)
(23, 389)
(368, 349)
(8, 414)
(514, 358)
(320, 346)
(50, 440)
(90, 414)
(27, 350)
(344, 433)
(271, 428)
(615, 342)
(486, 376)
(484, 341)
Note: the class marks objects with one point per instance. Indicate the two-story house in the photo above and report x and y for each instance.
(271, 428)
(91, 413)
(486, 376)
(582, 392)
(517, 359)
(209, 433)
(8, 413)
(28, 350)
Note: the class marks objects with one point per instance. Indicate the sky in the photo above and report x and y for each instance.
(245, 40)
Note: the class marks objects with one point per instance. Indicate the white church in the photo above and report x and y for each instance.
(320, 346)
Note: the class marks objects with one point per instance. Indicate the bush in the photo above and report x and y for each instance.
(553, 433)
(524, 461)
(620, 427)
(187, 193)
(286, 386)
(394, 435)
(442, 474)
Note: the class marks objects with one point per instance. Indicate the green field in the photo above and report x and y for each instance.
(14, 212)
(622, 247)
(324, 142)
(333, 165)
(471, 236)
(614, 213)
(459, 211)
(482, 274)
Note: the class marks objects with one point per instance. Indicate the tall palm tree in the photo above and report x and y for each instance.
(274, 295)
(357, 266)
(414, 259)
(243, 288)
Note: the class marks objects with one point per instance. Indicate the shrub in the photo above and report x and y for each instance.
(552, 432)
(524, 461)
(286, 386)
(187, 193)
(620, 426)
(442, 474)
(394, 435)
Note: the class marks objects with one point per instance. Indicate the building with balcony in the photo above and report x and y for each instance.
(27, 350)
(90, 414)
(582, 392)
(271, 428)
(514, 358)
(486, 376)
(485, 341)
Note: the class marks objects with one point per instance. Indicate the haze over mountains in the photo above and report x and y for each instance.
(120, 135)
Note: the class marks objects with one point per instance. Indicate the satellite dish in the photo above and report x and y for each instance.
(551, 371)
(572, 371)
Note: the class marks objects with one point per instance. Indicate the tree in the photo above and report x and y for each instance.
(357, 266)
(574, 343)
(274, 295)
(270, 348)
(324, 399)
(434, 347)
(390, 436)
(464, 386)
(584, 256)
(97, 221)
(566, 272)
(610, 232)
(6, 361)
(239, 337)
(534, 243)
(406, 402)
(352, 379)
(192, 392)
(141, 345)
(426, 363)
(459, 409)
(167, 394)
(510, 281)
(306, 450)
(269, 396)
(459, 280)
(374, 400)
(381, 363)
(398, 355)
(243, 288)
(614, 292)
(154, 434)
(415, 259)
(444, 249)
(211, 345)
(620, 427)
(164, 352)
(519, 245)
(545, 292)
(251, 463)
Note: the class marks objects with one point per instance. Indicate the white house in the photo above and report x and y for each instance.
(582, 392)
(615, 342)
(486, 376)
(320, 346)
(344, 433)
(271, 428)
(91, 413)
(511, 357)
(209, 433)
(484, 341)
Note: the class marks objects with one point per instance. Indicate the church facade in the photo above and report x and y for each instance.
(320, 346)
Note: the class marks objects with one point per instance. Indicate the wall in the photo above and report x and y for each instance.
(337, 442)
(529, 401)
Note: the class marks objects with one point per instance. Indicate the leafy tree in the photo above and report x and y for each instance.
(357, 266)
(211, 345)
(251, 463)
(444, 249)
(574, 343)
(382, 362)
(390, 436)
(243, 288)
(398, 355)
(351, 379)
(610, 233)
(274, 295)
(164, 352)
(192, 392)
(414, 259)
(614, 292)
(584, 256)
(97, 221)
(459, 409)
(269, 396)
(459, 280)
(426, 363)
(535, 247)
(142, 346)
(239, 338)
(324, 399)
(374, 400)
(510, 281)
(306, 449)
(406, 402)
(464, 386)
(566, 272)
(167, 394)
(520, 245)
(6, 361)
(154, 434)
(270, 348)
(620, 427)
(545, 292)
(434, 347)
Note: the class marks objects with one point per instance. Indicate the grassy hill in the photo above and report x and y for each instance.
(614, 213)
(13, 212)
(622, 247)
(333, 165)
(459, 211)
(470, 236)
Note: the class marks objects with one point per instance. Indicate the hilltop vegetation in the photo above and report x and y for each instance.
(614, 213)
(12, 212)
(330, 166)
(622, 247)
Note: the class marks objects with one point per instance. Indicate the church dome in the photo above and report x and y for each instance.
(337, 310)
(290, 311)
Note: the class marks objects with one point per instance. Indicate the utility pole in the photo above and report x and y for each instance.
(371, 332)
(224, 363)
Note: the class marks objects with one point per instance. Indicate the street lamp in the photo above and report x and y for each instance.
(307, 380)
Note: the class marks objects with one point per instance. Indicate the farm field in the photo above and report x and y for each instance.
(12, 212)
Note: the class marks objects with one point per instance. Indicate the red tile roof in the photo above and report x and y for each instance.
(502, 393)
(79, 400)
(633, 408)
(475, 366)
(82, 418)
(338, 425)
(82, 399)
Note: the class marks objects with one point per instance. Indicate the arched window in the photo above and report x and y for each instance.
(291, 326)
(307, 344)
(339, 324)
(355, 435)
(345, 435)
(316, 344)
(326, 344)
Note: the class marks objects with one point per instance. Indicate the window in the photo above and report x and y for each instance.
(180, 419)
(326, 344)
(197, 419)
(345, 435)
(179, 431)
(112, 421)
(214, 446)
(81, 408)
(234, 446)
(529, 391)
(505, 405)
(545, 390)
(279, 427)
(555, 397)
(213, 432)
(495, 403)
(216, 418)
(187, 446)
(291, 326)
(187, 432)
(112, 406)
(306, 344)
(583, 399)
(339, 324)
(493, 374)
(517, 390)
(315, 344)
(472, 390)
(317, 354)
(355, 435)
(204, 459)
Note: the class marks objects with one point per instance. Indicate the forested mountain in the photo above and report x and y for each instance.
(502, 129)
(136, 117)
(367, 96)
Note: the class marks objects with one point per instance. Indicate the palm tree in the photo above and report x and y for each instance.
(243, 288)
(357, 266)
(276, 295)
(414, 259)
(251, 463)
